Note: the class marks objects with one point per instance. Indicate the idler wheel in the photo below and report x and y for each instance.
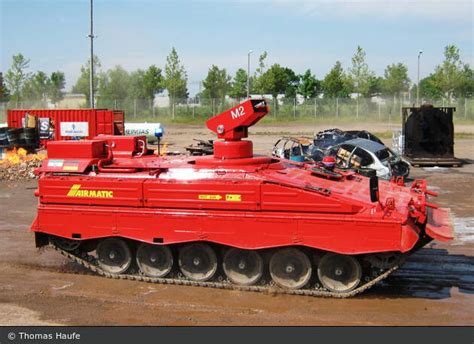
(290, 268)
(243, 267)
(197, 261)
(154, 260)
(114, 255)
(339, 273)
(66, 244)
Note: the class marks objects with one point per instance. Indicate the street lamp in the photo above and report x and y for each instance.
(248, 73)
(418, 80)
(91, 71)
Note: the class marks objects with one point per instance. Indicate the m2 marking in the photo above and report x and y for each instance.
(239, 112)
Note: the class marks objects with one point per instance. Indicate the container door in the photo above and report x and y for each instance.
(105, 122)
(119, 123)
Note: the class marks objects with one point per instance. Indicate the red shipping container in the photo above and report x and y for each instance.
(67, 124)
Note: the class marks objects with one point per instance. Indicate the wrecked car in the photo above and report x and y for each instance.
(329, 137)
(352, 150)
(294, 148)
(364, 153)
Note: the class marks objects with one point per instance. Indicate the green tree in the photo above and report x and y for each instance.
(396, 79)
(359, 73)
(429, 89)
(4, 92)
(274, 80)
(176, 78)
(136, 86)
(309, 86)
(217, 84)
(335, 83)
(152, 82)
(258, 82)
(239, 84)
(83, 84)
(36, 87)
(466, 89)
(449, 75)
(279, 80)
(114, 84)
(56, 85)
(16, 76)
(376, 85)
(292, 84)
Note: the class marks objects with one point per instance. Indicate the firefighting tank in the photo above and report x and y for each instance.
(234, 220)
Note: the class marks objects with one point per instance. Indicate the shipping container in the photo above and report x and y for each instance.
(70, 124)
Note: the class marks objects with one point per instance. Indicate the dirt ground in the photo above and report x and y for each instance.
(435, 287)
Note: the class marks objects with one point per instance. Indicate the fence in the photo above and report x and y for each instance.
(384, 110)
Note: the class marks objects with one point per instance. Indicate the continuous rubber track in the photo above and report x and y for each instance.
(90, 263)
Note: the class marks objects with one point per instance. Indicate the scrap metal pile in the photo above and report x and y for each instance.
(17, 145)
(202, 147)
(355, 149)
(17, 164)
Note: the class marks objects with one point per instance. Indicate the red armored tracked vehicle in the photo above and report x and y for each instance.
(231, 220)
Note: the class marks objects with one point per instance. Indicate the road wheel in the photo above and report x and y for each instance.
(243, 267)
(114, 255)
(290, 268)
(197, 261)
(339, 273)
(154, 260)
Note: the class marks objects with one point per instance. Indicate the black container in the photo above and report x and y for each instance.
(3, 136)
(428, 136)
(30, 136)
(21, 136)
(13, 136)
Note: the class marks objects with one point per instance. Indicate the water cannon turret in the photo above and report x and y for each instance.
(232, 126)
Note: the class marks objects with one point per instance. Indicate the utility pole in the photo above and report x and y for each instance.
(91, 72)
(248, 73)
(418, 80)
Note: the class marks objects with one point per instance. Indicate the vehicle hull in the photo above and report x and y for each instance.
(242, 229)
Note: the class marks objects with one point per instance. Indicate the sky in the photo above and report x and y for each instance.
(302, 35)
